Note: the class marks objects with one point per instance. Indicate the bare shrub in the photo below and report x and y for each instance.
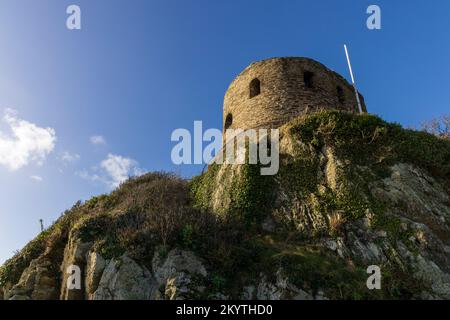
(438, 126)
(156, 203)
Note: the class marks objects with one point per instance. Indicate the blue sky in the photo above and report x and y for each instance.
(139, 69)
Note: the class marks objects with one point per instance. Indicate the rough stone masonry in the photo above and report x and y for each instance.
(271, 92)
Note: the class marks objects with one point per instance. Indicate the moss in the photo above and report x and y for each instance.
(357, 140)
(355, 136)
(424, 150)
(202, 186)
(250, 193)
(346, 200)
(299, 176)
(368, 140)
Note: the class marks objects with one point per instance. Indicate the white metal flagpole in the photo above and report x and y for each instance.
(353, 79)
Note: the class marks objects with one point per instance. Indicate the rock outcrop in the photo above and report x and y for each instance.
(96, 264)
(175, 273)
(74, 256)
(36, 282)
(124, 279)
(352, 191)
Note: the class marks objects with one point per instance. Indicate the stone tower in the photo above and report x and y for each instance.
(271, 92)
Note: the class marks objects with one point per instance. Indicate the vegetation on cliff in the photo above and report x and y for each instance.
(334, 208)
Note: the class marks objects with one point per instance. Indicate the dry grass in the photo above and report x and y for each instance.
(336, 222)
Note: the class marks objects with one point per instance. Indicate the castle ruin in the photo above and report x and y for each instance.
(269, 93)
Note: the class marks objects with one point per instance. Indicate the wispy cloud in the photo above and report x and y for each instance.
(113, 170)
(68, 158)
(97, 140)
(24, 143)
(85, 174)
(36, 178)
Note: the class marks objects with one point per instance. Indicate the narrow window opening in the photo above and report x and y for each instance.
(255, 87)
(308, 79)
(340, 95)
(228, 121)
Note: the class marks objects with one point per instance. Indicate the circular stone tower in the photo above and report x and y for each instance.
(269, 93)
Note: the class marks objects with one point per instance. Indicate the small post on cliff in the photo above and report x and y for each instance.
(42, 224)
(353, 79)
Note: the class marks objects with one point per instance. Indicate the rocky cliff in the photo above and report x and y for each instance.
(352, 191)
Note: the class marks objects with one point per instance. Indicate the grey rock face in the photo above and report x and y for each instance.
(37, 283)
(280, 290)
(95, 266)
(124, 279)
(74, 255)
(412, 238)
(175, 273)
(418, 195)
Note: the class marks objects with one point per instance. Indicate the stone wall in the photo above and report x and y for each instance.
(288, 87)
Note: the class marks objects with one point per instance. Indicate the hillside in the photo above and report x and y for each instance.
(352, 191)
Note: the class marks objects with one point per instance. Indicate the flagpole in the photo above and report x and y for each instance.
(353, 79)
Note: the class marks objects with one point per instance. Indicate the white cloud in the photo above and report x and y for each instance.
(89, 176)
(97, 140)
(24, 143)
(67, 157)
(119, 169)
(113, 170)
(36, 178)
